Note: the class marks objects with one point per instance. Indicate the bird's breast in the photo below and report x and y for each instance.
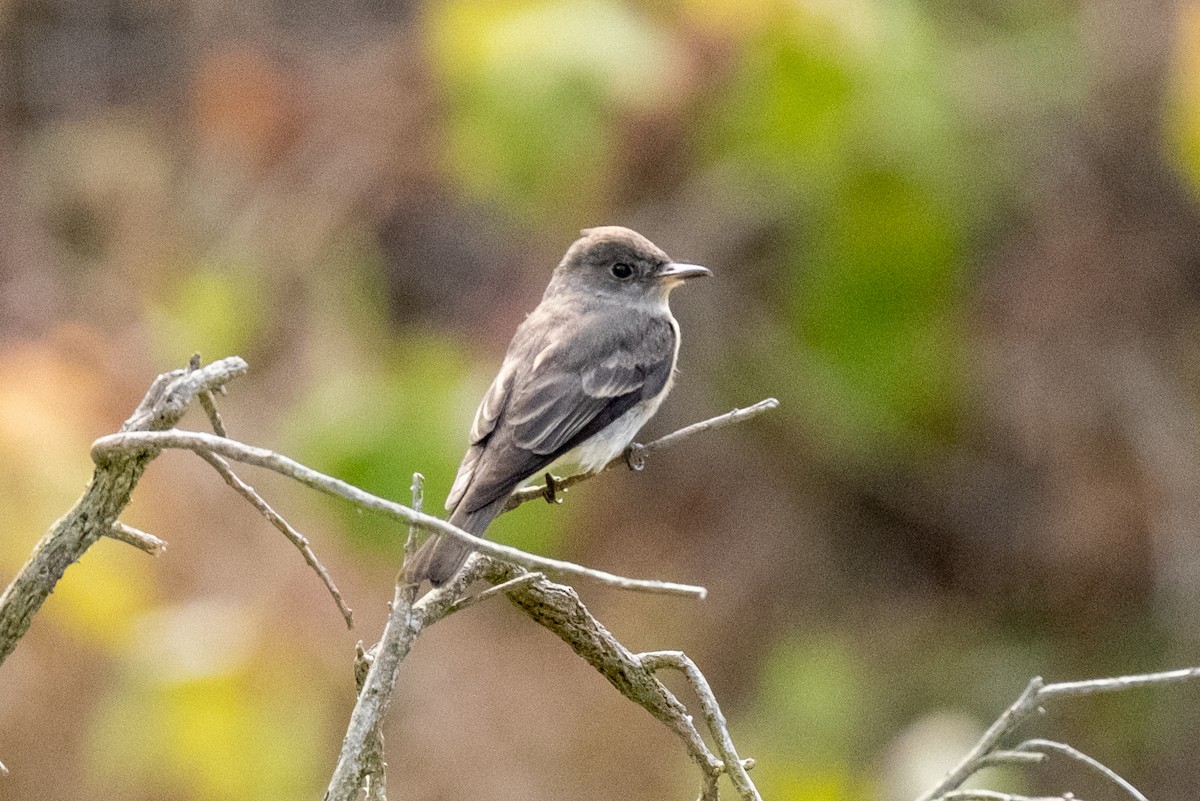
(607, 444)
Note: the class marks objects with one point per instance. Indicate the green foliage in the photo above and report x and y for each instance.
(836, 123)
(213, 309)
(375, 423)
(534, 91)
(813, 707)
(205, 712)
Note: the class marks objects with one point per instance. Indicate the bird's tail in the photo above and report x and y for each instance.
(440, 557)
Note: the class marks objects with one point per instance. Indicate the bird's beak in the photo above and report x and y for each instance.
(674, 271)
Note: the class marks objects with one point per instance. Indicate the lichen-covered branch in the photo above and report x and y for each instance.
(406, 620)
(95, 514)
(557, 607)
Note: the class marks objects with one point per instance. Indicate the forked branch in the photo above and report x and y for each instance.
(121, 458)
(990, 750)
(95, 514)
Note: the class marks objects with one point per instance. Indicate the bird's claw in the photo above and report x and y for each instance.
(634, 458)
(550, 493)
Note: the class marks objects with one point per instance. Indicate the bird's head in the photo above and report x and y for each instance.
(616, 262)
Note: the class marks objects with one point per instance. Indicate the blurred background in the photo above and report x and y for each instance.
(958, 240)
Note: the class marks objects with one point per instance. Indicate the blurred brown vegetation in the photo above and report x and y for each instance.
(959, 241)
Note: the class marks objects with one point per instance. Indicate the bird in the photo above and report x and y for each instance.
(584, 372)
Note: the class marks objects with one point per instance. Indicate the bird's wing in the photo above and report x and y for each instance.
(562, 399)
(563, 396)
(493, 403)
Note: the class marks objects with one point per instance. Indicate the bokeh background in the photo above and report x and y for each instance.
(958, 240)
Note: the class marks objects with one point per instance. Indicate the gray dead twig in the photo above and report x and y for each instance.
(989, 748)
(121, 458)
(116, 446)
(635, 456)
(95, 514)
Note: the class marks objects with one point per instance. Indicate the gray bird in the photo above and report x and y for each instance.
(585, 370)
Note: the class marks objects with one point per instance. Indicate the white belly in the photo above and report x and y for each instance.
(597, 451)
(607, 445)
(602, 448)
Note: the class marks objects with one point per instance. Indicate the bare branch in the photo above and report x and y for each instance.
(1013, 757)
(1035, 695)
(293, 536)
(499, 589)
(733, 764)
(405, 622)
(115, 446)
(214, 417)
(138, 539)
(121, 458)
(557, 607)
(172, 392)
(1093, 686)
(992, 795)
(104, 499)
(637, 453)
(1036, 745)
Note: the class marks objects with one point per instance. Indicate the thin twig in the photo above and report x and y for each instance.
(258, 502)
(138, 539)
(208, 403)
(293, 536)
(1013, 757)
(992, 795)
(214, 417)
(1036, 745)
(735, 768)
(490, 592)
(1093, 686)
(1035, 695)
(418, 502)
(543, 491)
(116, 446)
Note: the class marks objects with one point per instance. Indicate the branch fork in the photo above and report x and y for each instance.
(989, 750)
(121, 458)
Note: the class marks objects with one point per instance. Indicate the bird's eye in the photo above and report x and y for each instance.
(621, 271)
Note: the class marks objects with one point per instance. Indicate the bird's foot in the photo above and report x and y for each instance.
(634, 458)
(550, 493)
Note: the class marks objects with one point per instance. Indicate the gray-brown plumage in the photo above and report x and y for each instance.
(585, 370)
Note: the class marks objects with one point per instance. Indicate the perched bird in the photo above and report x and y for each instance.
(585, 370)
